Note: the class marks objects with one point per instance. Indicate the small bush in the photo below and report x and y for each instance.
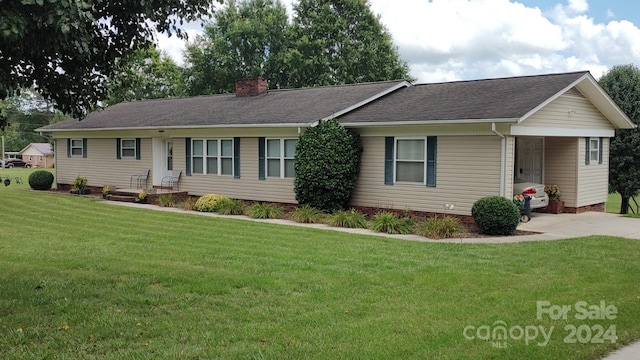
(231, 207)
(440, 228)
(41, 180)
(209, 202)
(265, 211)
(166, 200)
(80, 183)
(347, 219)
(389, 223)
(496, 215)
(307, 214)
(187, 204)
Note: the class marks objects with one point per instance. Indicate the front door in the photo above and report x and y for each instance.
(168, 156)
(530, 155)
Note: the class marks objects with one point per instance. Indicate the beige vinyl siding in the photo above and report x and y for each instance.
(593, 179)
(247, 187)
(436, 130)
(468, 168)
(101, 167)
(569, 111)
(561, 166)
(510, 165)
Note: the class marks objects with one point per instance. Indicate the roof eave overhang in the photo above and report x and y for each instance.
(179, 127)
(429, 122)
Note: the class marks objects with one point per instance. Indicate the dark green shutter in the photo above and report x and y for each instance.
(68, 147)
(389, 144)
(261, 158)
(432, 154)
(236, 157)
(586, 151)
(118, 148)
(187, 150)
(84, 148)
(600, 151)
(137, 148)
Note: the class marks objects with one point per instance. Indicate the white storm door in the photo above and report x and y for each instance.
(530, 156)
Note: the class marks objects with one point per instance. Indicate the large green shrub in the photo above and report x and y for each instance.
(41, 180)
(209, 202)
(496, 215)
(327, 162)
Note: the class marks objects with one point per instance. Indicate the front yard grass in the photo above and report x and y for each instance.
(613, 205)
(80, 279)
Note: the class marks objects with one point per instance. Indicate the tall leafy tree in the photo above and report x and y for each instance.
(622, 83)
(68, 48)
(341, 41)
(246, 39)
(144, 74)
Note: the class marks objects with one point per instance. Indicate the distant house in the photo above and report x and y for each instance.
(38, 154)
(425, 145)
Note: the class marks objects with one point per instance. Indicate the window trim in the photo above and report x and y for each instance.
(282, 158)
(72, 147)
(219, 157)
(134, 148)
(423, 161)
(594, 149)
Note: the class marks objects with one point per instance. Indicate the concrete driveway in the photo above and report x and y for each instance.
(585, 224)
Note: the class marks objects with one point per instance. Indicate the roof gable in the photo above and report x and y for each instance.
(491, 100)
(42, 148)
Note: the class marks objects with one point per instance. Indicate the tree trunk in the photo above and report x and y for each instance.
(624, 206)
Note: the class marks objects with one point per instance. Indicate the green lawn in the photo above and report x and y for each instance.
(81, 279)
(613, 205)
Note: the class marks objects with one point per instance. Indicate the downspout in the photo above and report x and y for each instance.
(503, 155)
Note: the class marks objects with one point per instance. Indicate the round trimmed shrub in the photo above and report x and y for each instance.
(496, 215)
(327, 163)
(210, 202)
(41, 180)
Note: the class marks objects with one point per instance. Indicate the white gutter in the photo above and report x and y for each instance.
(179, 127)
(503, 155)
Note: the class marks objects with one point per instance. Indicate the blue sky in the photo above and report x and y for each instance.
(445, 40)
(601, 10)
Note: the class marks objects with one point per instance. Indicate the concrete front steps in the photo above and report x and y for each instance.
(132, 195)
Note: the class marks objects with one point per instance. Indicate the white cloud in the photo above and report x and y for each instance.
(468, 39)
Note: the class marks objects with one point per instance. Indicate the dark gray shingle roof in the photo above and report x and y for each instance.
(503, 98)
(295, 106)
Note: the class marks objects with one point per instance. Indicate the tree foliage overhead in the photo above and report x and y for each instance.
(327, 163)
(144, 74)
(622, 83)
(68, 48)
(246, 39)
(341, 41)
(328, 42)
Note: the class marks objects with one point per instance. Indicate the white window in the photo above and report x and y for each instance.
(280, 155)
(128, 148)
(212, 156)
(410, 160)
(77, 147)
(594, 150)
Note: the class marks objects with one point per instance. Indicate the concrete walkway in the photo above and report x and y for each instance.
(548, 226)
(585, 224)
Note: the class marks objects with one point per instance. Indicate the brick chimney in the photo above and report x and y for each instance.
(251, 87)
